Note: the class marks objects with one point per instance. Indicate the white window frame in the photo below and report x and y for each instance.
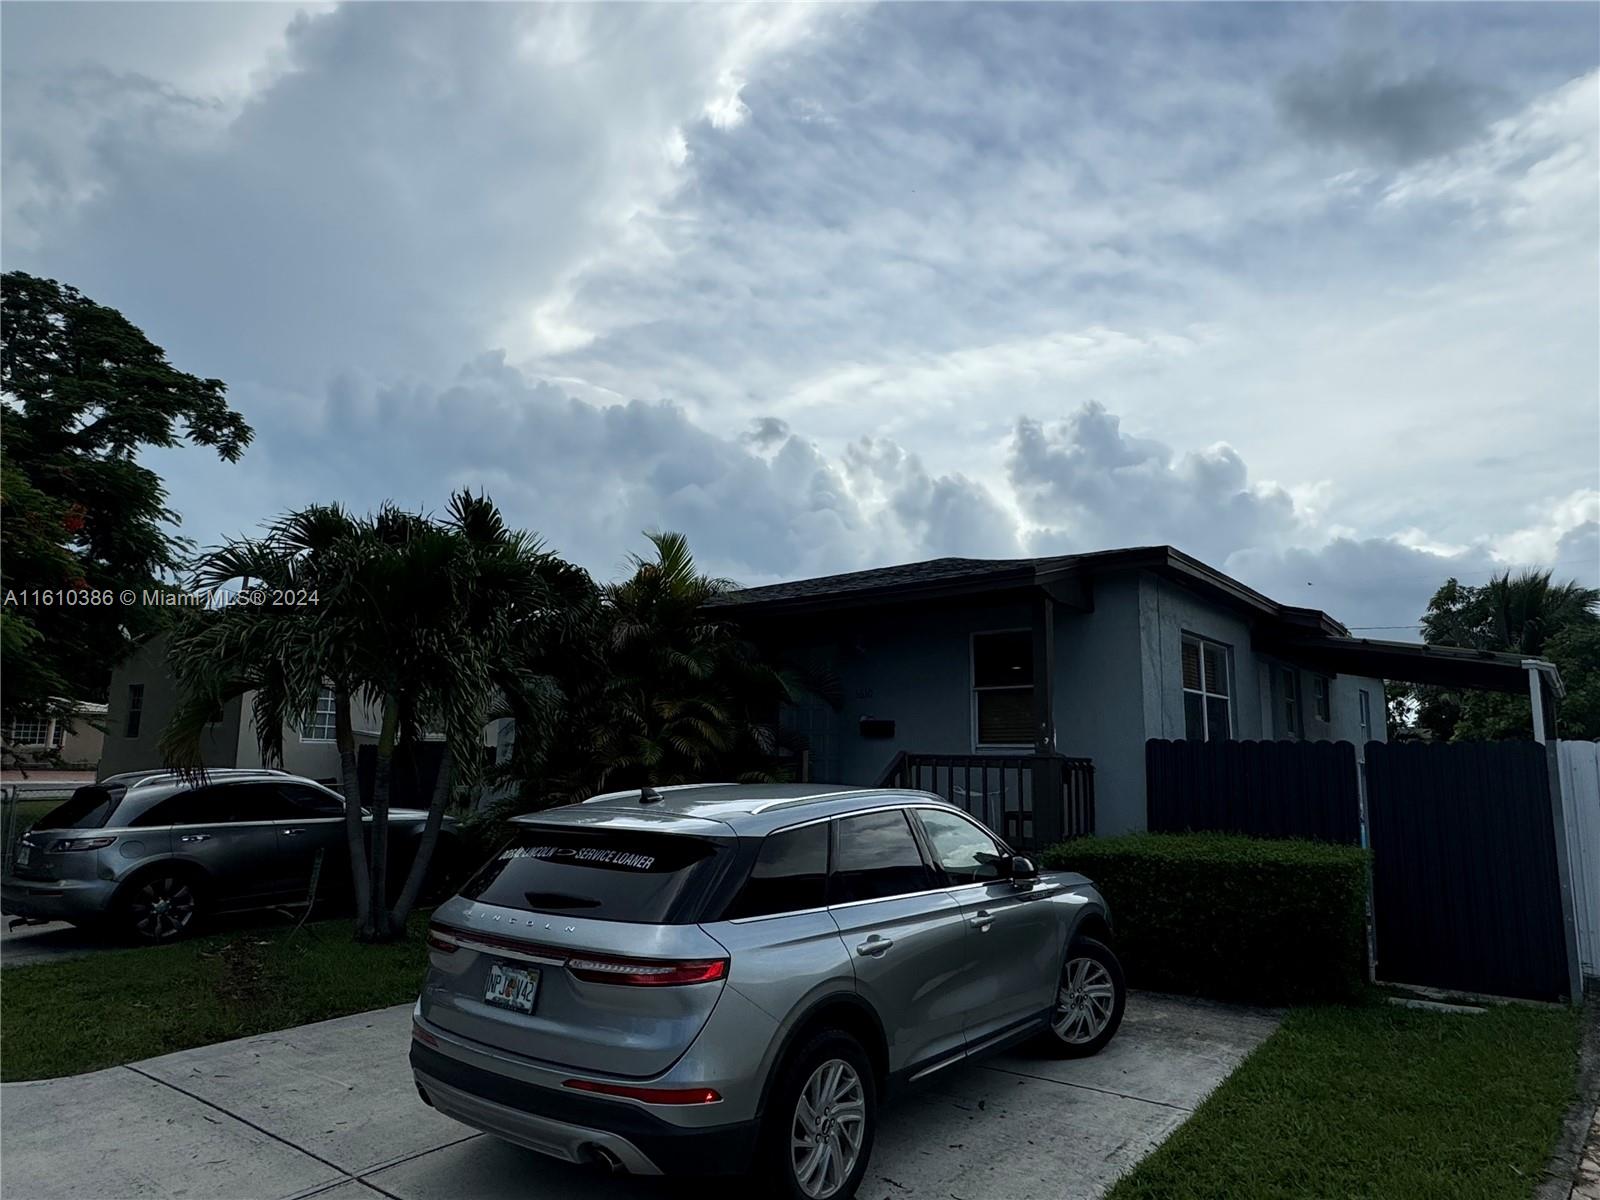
(1364, 714)
(43, 725)
(1322, 704)
(308, 730)
(1290, 694)
(973, 689)
(1201, 643)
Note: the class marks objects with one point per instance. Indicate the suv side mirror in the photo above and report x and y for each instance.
(1023, 867)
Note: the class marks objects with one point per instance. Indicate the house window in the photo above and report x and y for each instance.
(25, 732)
(135, 709)
(1207, 690)
(1289, 685)
(58, 734)
(1002, 689)
(1320, 703)
(1364, 698)
(320, 728)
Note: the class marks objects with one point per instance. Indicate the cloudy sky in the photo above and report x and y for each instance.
(1309, 291)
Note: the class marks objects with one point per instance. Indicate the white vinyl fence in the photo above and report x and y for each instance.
(1579, 763)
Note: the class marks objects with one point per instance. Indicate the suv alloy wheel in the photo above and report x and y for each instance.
(161, 907)
(1089, 1000)
(822, 1120)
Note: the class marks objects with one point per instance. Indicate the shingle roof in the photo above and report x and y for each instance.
(937, 570)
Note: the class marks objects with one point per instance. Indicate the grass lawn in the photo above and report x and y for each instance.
(118, 1006)
(1378, 1101)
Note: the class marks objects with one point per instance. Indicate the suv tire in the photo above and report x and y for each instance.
(816, 1138)
(1089, 1001)
(164, 905)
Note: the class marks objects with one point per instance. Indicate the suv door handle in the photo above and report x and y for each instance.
(292, 832)
(982, 921)
(874, 946)
(195, 837)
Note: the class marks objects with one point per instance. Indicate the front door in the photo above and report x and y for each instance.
(1014, 939)
(905, 937)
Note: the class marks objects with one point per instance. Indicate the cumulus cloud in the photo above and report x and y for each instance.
(419, 181)
(739, 271)
(1085, 484)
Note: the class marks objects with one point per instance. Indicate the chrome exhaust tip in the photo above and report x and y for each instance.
(599, 1156)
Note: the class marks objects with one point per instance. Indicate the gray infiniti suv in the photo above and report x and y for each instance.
(152, 855)
(725, 978)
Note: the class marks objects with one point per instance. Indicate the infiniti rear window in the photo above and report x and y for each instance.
(607, 874)
(89, 808)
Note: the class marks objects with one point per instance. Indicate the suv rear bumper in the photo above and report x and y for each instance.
(56, 899)
(571, 1126)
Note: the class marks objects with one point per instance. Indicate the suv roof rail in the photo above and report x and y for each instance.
(813, 797)
(152, 774)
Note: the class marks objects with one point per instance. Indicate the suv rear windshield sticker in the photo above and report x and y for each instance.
(587, 854)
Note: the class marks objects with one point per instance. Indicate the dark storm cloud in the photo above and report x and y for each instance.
(1356, 103)
(765, 432)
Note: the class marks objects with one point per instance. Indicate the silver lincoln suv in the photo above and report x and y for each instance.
(724, 978)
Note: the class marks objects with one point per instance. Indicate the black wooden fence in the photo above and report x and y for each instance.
(1466, 889)
(411, 776)
(1264, 789)
(1031, 800)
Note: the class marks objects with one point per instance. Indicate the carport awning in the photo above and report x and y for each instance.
(1414, 662)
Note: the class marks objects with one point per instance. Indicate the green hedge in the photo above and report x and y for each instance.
(1235, 918)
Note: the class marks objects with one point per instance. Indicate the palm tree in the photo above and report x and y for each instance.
(439, 624)
(683, 697)
(1511, 613)
(1526, 614)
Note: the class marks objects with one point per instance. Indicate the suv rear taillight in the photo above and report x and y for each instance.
(698, 1095)
(88, 843)
(441, 941)
(644, 972)
(591, 968)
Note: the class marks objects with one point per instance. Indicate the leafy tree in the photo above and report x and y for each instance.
(1526, 614)
(83, 392)
(437, 624)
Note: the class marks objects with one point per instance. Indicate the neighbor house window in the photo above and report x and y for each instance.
(1289, 685)
(320, 728)
(59, 734)
(1002, 688)
(1207, 690)
(135, 709)
(25, 732)
(1364, 698)
(1320, 703)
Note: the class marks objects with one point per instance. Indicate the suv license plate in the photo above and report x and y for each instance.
(512, 987)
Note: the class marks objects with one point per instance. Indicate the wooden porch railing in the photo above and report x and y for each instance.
(1031, 800)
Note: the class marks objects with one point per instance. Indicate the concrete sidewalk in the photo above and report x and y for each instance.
(329, 1110)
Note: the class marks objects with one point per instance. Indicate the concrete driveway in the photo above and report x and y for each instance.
(329, 1110)
(29, 944)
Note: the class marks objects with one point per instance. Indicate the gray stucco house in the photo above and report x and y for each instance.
(1082, 656)
(144, 695)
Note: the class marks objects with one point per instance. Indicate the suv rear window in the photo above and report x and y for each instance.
(606, 874)
(89, 807)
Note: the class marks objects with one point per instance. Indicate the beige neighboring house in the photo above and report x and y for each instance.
(144, 694)
(73, 742)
